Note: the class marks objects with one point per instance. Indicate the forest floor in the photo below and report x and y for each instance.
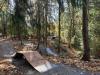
(20, 67)
(65, 65)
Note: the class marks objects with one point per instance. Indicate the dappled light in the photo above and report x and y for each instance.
(49, 37)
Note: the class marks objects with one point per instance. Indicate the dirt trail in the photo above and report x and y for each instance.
(22, 66)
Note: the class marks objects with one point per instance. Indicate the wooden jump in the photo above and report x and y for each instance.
(37, 61)
(33, 57)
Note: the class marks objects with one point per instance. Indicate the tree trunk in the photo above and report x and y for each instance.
(59, 28)
(86, 55)
(38, 25)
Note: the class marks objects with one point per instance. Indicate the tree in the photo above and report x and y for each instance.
(18, 18)
(86, 55)
(61, 9)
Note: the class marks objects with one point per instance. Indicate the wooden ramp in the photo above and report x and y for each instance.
(37, 61)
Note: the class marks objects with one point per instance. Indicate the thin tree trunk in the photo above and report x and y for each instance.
(38, 25)
(4, 25)
(46, 21)
(72, 24)
(59, 32)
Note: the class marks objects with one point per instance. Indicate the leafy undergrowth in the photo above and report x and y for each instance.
(6, 68)
(93, 65)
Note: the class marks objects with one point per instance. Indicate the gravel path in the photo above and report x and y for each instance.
(6, 49)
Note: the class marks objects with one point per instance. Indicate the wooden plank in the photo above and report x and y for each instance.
(37, 61)
(34, 58)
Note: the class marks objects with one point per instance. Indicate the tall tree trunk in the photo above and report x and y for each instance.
(38, 24)
(46, 21)
(61, 9)
(86, 55)
(71, 32)
(59, 28)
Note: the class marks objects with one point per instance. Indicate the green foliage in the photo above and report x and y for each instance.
(39, 18)
(97, 30)
(75, 3)
(77, 41)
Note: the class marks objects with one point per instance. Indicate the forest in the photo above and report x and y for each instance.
(64, 33)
